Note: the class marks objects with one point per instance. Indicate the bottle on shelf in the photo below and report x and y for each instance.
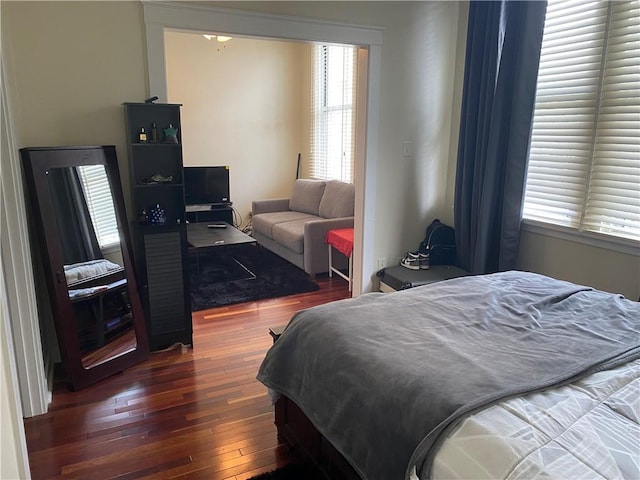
(153, 133)
(143, 219)
(142, 135)
(170, 134)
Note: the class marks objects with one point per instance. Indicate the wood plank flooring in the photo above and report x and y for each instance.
(185, 413)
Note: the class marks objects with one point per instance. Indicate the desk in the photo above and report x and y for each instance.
(209, 213)
(342, 240)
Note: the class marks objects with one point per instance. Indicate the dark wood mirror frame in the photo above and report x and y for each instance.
(37, 163)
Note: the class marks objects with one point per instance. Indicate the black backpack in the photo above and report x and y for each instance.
(439, 244)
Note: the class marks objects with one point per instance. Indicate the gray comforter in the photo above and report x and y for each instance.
(384, 376)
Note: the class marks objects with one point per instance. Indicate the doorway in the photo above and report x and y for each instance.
(195, 18)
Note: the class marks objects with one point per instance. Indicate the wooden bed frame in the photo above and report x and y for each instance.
(297, 431)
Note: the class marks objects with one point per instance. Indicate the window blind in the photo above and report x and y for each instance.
(97, 192)
(332, 129)
(584, 162)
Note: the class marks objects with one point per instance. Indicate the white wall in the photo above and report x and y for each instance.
(242, 107)
(13, 463)
(74, 64)
(597, 267)
(421, 108)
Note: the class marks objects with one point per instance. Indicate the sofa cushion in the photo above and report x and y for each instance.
(291, 234)
(306, 196)
(338, 200)
(265, 222)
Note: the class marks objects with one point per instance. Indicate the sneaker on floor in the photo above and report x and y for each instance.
(423, 259)
(411, 261)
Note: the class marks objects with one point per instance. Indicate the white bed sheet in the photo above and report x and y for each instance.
(588, 429)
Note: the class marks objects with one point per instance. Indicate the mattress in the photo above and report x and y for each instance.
(93, 268)
(429, 356)
(587, 429)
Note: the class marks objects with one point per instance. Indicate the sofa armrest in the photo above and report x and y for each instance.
(268, 206)
(315, 247)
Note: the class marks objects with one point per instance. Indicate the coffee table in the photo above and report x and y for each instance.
(201, 237)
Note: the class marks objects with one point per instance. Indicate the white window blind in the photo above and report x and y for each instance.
(584, 162)
(332, 126)
(97, 192)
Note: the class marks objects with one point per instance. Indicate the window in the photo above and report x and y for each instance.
(332, 134)
(584, 162)
(97, 192)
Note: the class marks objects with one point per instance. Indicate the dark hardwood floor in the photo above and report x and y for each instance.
(184, 413)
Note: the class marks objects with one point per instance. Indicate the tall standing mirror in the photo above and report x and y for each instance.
(80, 228)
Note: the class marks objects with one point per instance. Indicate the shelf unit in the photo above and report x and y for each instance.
(211, 214)
(160, 247)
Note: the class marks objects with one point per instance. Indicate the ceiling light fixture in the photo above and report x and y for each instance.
(220, 38)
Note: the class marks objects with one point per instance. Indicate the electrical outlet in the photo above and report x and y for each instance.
(382, 263)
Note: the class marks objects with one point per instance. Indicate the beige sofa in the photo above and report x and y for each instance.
(295, 228)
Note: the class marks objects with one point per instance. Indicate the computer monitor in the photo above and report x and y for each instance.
(206, 185)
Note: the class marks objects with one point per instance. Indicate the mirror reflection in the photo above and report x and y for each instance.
(93, 262)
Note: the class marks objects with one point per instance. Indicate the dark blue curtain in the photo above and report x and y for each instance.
(501, 69)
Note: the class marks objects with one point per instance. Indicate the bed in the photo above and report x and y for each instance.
(508, 375)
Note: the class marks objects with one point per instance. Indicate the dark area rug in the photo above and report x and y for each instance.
(218, 279)
(292, 471)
